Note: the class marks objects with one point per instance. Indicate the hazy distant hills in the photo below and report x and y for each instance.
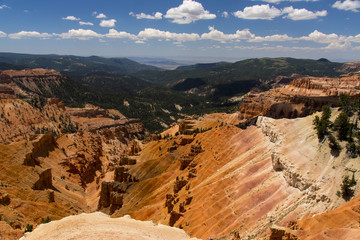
(75, 64)
(250, 69)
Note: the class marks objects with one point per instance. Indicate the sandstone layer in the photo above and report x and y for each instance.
(299, 97)
(230, 180)
(54, 159)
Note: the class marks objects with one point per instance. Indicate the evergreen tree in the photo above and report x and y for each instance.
(333, 144)
(343, 126)
(346, 191)
(322, 124)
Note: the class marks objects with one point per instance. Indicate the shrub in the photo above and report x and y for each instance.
(46, 220)
(29, 228)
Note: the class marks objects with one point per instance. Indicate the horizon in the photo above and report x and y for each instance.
(309, 29)
(183, 60)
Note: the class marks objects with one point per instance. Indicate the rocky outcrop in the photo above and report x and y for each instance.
(280, 233)
(279, 161)
(186, 125)
(44, 181)
(122, 175)
(111, 195)
(41, 147)
(4, 199)
(179, 184)
(39, 81)
(100, 226)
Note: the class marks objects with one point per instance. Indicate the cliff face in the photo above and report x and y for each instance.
(302, 95)
(231, 180)
(53, 159)
(39, 81)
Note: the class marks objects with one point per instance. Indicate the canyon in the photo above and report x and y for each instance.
(258, 173)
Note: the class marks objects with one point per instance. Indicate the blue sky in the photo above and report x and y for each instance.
(226, 29)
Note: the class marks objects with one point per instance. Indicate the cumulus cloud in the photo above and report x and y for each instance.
(115, 34)
(189, 11)
(81, 34)
(86, 23)
(320, 37)
(2, 34)
(347, 5)
(71, 18)
(264, 12)
(219, 36)
(100, 15)
(302, 14)
(28, 34)
(108, 23)
(151, 33)
(272, 38)
(155, 16)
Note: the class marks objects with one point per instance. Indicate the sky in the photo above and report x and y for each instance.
(216, 29)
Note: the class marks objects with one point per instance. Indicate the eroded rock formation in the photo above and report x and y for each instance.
(298, 98)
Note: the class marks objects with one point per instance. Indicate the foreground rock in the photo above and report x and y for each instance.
(101, 226)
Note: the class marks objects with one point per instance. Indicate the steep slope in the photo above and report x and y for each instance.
(340, 223)
(227, 180)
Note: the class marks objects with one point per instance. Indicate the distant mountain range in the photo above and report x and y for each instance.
(74, 64)
(154, 94)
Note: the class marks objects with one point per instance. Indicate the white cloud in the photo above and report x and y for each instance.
(272, 38)
(189, 11)
(4, 6)
(219, 36)
(338, 46)
(81, 34)
(115, 34)
(320, 37)
(302, 14)
(264, 12)
(28, 34)
(151, 33)
(108, 23)
(100, 15)
(86, 23)
(156, 16)
(278, 1)
(347, 5)
(355, 39)
(2, 34)
(225, 14)
(71, 18)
